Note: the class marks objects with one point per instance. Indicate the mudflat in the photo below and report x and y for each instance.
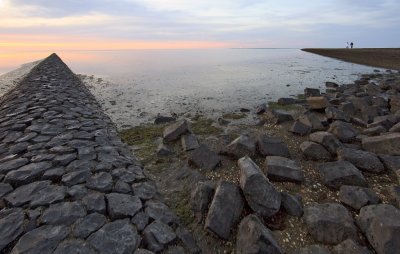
(378, 57)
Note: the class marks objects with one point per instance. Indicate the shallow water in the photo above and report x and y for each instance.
(135, 85)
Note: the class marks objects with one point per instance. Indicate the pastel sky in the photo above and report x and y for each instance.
(122, 24)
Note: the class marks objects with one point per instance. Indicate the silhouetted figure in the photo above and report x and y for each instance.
(347, 45)
(351, 45)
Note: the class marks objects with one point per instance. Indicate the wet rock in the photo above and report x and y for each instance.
(117, 237)
(164, 150)
(144, 190)
(314, 151)
(157, 210)
(64, 213)
(326, 139)
(357, 197)
(384, 144)
(343, 131)
(74, 246)
(95, 203)
(241, 146)
(350, 246)
(311, 121)
(189, 142)
(25, 193)
(283, 169)
(299, 128)
(203, 157)
(27, 173)
(225, 209)
(201, 197)
(311, 92)
(292, 204)
(260, 194)
(253, 237)
(88, 224)
(338, 173)
(102, 182)
(41, 240)
(157, 236)
(175, 130)
(317, 103)
(163, 119)
(7, 166)
(270, 146)
(122, 205)
(363, 160)
(11, 225)
(278, 116)
(329, 223)
(381, 225)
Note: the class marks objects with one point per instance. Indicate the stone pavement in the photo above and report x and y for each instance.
(67, 182)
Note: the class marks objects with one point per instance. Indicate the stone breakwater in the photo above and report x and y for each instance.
(68, 184)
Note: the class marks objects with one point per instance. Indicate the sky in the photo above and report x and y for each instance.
(151, 24)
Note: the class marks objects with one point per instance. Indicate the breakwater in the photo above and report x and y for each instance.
(68, 184)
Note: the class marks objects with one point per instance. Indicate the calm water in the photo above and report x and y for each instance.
(147, 82)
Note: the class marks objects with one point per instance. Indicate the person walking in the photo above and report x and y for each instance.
(351, 45)
(347, 45)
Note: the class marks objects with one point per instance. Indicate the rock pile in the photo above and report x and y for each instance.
(68, 183)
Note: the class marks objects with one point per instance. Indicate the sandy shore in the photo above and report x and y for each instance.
(377, 57)
(10, 79)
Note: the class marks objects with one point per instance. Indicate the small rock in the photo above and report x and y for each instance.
(300, 128)
(269, 146)
(261, 109)
(157, 236)
(189, 142)
(203, 157)
(102, 182)
(292, 204)
(336, 114)
(175, 130)
(365, 161)
(122, 205)
(326, 139)
(95, 203)
(140, 220)
(317, 103)
(163, 119)
(144, 190)
(311, 92)
(253, 237)
(345, 132)
(311, 121)
(201, 198)
(278, 116)
(89, 224)
(314, 151)
(241, 147)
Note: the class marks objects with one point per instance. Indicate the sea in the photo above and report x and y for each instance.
(139, 84)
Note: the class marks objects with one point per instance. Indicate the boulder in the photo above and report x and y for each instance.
(255, 238)
(315, 151)
(278, 116)
(312, 121)
(333, 113)
(283, 169)
(225, 209)
(350, 246)
(338, 173)
(174, 131)
(329, 223)
(357, 197)
(326, 139)
(317, 102)
(299, 128)
(381, 225)
(164, 150)
(260, 194)
(203, 157)
(343, 131)
(241, 146)
(311, 92)
(189, 142)
(384, 144)
(270, 146)
(363, 160)
(293, 204)
(157, 210)
(201, 197)
(163, 119)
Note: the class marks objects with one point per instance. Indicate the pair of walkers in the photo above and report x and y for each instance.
(351, 45)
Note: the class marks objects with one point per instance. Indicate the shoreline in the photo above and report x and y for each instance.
(388, 58)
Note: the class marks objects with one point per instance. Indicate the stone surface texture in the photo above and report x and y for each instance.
(62, 166)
